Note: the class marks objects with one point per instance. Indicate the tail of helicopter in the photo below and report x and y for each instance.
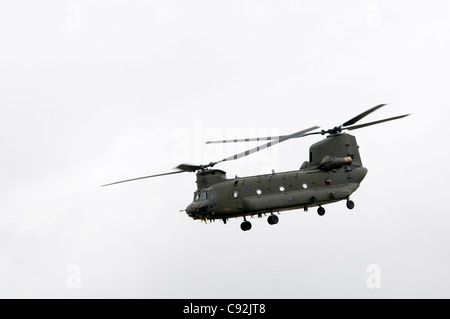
(335, 146)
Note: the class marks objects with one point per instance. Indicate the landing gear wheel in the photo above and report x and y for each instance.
(350, 204)
(321, 211)
(272, 219)
(246, 225)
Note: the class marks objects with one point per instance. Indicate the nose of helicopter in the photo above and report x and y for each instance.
(190, 210)
(197, 209)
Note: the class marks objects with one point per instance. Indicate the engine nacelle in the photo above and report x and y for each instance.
(328, 163)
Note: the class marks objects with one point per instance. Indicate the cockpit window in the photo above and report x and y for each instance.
(203, 195)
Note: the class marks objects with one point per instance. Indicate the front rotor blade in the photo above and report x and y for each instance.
(355, 127)
(267, 145)
(362, 115)
(257, 139)
(253, 139)
(189, 167)
(135, 179)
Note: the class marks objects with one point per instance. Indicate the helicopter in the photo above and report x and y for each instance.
(333, 173)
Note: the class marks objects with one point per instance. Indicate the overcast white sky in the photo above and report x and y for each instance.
(97, 91)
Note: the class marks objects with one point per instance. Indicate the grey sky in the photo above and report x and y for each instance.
(97, 91)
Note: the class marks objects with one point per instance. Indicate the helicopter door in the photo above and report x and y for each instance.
(237, 199)
(212, 196)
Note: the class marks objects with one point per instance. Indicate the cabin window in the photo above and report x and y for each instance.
(258, 191)
(328, 182)
(196, 197)
(304, 185)
(281, 188)
(235, 194)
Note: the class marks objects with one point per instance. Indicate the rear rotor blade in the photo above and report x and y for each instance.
(267, 145)
(362, 115)
(135, 179)
(355, 127)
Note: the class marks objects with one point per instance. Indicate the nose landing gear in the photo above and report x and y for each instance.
(321, 211)
(246, 225)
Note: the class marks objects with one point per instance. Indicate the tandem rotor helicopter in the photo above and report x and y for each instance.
(334, 172)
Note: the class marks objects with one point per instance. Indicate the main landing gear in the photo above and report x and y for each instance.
(350, 204)
(321, 211)
(272, 220)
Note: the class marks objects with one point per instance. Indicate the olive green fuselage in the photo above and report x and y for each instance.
(275, 192)
(316, 183)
